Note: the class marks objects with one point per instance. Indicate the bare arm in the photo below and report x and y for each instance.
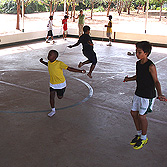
(153, 71)
(76, 70)
(43, 62)
(109, 25)
(126, 79)
(76, 44)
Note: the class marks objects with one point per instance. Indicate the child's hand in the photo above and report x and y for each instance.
(83, 71)
(70, 46)
(126, 79)
(41, 60)
(162, 98)
(91, 44)
(105, 25)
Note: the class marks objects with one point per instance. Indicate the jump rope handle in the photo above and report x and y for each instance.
(159, 98)
(125, 77)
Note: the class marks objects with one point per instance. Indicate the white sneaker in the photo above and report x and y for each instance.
(51, 113)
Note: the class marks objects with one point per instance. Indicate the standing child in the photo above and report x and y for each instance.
(64, 22)
(109, 30)
(49, 28)
(88, 51)
(57, 79)
(81, 22)
(147, 81)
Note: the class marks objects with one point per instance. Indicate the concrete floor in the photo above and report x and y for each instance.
(94, 133)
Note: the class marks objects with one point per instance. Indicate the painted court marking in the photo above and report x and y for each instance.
(22, 87)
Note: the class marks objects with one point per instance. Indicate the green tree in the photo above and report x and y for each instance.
(159, 3)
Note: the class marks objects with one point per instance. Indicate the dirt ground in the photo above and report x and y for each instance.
(134, 22)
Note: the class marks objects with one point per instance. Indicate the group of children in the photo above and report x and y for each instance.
(146, 79)
(81, 18)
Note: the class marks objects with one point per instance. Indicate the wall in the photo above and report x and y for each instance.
(119, 37)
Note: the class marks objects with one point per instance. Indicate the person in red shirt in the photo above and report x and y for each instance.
(64, 22)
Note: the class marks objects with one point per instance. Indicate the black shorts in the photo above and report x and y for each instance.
(60, 92)
(50, 34)
(91, 55)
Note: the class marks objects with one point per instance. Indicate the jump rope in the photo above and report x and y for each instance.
(157, 97)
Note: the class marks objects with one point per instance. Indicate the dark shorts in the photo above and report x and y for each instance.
(50, 33)
(91, 55)
(60, 92)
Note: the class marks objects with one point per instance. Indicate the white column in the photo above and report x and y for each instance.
(146, 16)
(22, 15)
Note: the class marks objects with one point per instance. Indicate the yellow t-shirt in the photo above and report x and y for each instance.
(56, 71)
(109, 29)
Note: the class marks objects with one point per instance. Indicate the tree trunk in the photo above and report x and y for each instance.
(18, 17)
(92, 2)
(74, 11)
(50, 5)
(108, 9)
(145, 6)
(67, 8)
(129, 5)
(55, 7)
(119, 6)
(160, 13)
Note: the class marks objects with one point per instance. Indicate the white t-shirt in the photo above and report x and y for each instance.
(49, 25)
(58, 86)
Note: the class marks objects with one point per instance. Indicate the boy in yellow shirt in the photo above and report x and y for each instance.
(109, 30)
(57, 79)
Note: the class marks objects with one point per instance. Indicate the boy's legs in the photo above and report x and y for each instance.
(52, 39)
(47, 38)
(136, 119)
(140, 121)
(90, 71)
(52, 99)
(52, 103)
(83, 63)
(144, 105)
(80, 26)
(144, 124)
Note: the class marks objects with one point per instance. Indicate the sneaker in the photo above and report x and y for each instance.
(109, 44)
(133, 142)
(47, 42)
(51, 113)
(140, 143)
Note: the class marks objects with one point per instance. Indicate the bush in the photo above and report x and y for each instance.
(99, 9)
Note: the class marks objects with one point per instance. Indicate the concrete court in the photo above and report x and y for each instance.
(94, 133)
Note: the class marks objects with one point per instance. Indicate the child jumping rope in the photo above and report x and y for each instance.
(88, 51)
(145, 94)
(57, 79)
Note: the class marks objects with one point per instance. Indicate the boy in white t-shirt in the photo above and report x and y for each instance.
(49, 28)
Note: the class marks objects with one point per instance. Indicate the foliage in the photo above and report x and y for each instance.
(99, 9)
(8, 7)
